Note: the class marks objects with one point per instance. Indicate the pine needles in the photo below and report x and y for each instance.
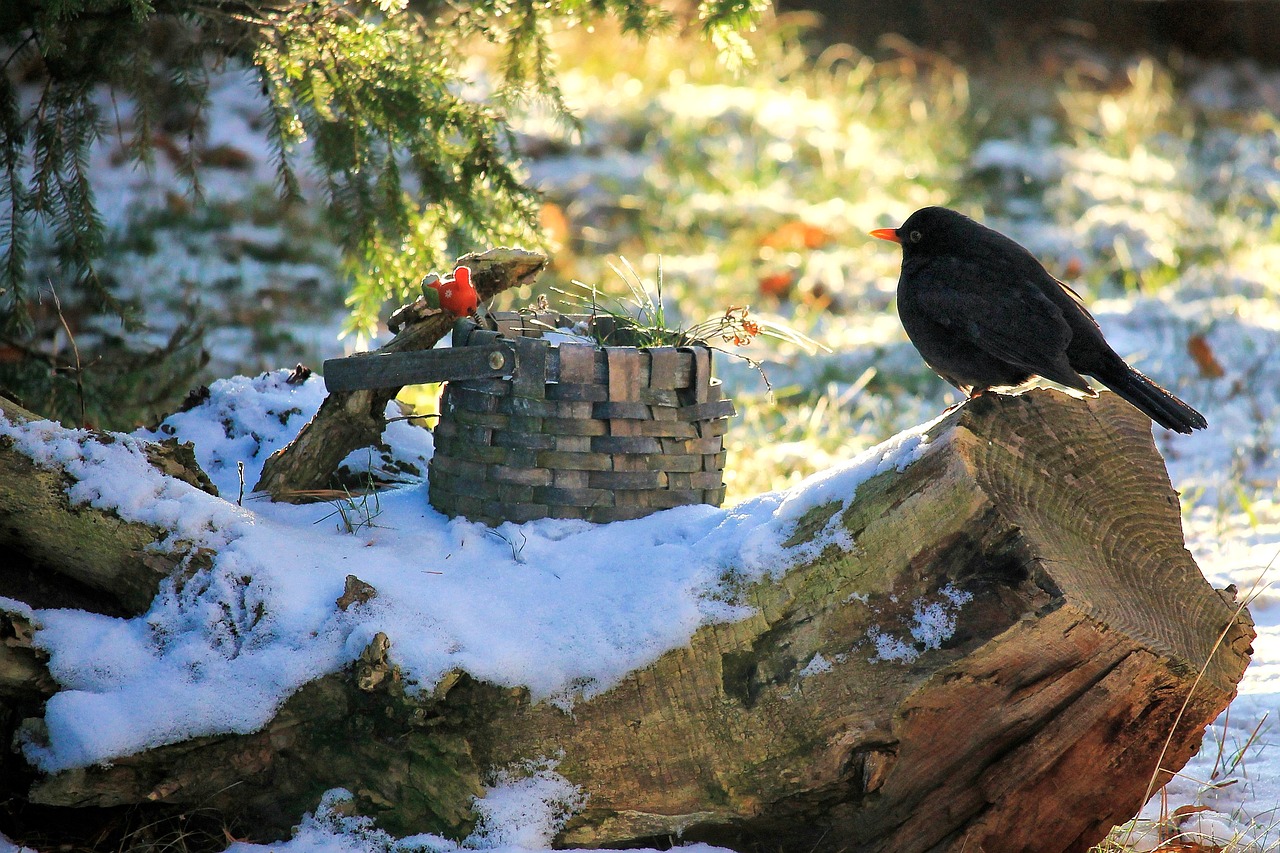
(416, 162)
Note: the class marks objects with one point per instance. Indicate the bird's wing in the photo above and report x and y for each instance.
(1076, 301)
(1008, 316)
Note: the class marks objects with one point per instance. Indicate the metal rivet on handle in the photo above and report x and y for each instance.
(496, 360)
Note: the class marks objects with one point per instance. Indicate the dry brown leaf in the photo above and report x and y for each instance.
(1201, 353)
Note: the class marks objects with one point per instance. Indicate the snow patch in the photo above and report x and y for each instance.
(816, 666)
(932, 624)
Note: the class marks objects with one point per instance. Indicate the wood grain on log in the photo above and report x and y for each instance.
(1084, 638)
(350, 420)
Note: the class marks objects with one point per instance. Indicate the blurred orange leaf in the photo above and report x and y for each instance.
(819, 297)
(1201, 353)
(797, 235)
(554, 221)
(777, 284)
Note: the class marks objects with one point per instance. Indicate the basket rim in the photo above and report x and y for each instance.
(515, 325)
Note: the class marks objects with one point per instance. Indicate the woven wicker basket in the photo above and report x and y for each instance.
(578, 431)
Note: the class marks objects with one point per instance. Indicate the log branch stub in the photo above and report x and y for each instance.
(23, 674)
(349, 420)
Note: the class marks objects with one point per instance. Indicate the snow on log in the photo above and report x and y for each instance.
(55, 553)
(1003, 646)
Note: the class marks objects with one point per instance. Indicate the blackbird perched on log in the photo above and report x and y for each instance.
(984, 313)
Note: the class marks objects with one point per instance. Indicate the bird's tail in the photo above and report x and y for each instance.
(1157, 403)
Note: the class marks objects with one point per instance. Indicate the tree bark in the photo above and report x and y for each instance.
(1087, 656)
(350, 420)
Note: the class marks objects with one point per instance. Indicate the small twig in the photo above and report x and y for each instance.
(4, 66)
(412, 417)
(240, 471)
(78, 371)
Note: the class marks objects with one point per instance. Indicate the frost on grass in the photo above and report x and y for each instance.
(933, 622)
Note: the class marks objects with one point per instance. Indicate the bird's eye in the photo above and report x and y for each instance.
(914, 236)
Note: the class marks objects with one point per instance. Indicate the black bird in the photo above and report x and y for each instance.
(984, 313)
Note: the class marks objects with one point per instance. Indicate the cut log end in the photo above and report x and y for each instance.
(1086, 639)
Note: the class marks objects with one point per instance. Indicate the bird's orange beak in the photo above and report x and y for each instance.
(890, 234)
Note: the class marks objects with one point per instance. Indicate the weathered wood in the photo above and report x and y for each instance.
(349, 420)
(1036, 727)
(1084, 636)
(388, 369)
(25, 684)
(23, 675)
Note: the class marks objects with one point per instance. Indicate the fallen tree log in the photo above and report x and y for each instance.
(350, 420)
(1013, 651)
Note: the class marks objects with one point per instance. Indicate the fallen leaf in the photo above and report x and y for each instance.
(1184, 811)
(777, 284)
(1200, 352)
(797, 235)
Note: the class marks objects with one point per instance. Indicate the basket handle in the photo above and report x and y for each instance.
(365, 371)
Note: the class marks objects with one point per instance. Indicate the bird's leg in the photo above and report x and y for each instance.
(970, 394)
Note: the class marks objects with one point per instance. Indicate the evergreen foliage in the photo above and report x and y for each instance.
(415, 168)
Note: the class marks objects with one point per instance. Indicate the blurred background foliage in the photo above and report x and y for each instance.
(193, 190)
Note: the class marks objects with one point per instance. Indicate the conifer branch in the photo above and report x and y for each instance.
(408, 167)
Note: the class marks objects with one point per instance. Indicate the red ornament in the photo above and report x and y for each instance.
(457, 295)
